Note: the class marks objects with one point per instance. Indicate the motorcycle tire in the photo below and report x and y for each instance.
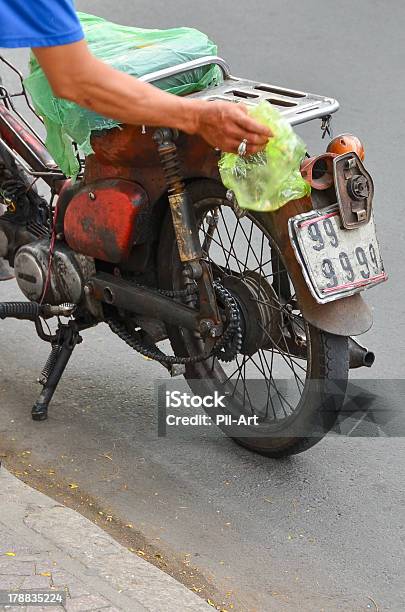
(327, 355)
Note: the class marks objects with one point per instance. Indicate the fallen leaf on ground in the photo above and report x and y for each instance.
(73, 485)
(10, 554)
(45, 573)
(141, 552)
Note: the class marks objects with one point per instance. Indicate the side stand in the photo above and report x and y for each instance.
(67, 338)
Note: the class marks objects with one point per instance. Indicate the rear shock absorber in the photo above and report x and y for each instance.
(186, 230)
(182, 210)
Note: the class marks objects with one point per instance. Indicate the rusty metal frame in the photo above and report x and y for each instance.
(142, 301)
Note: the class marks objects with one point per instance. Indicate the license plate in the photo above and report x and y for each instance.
(336, 262)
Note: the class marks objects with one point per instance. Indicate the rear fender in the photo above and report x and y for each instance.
(349, 316)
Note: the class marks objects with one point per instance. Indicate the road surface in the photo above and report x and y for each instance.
(321, 531)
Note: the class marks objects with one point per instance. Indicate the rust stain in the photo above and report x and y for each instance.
(103, 226)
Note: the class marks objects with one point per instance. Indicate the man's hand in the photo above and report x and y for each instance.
(226, 124)
(76, 75)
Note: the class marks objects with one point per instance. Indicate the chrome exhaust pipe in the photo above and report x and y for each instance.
(359, 356)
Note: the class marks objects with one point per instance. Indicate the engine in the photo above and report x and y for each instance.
(67, 278)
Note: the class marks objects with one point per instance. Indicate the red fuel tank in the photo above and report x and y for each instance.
(102, 219)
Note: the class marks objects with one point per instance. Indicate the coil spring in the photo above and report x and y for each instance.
(50, 364)
(171, 166)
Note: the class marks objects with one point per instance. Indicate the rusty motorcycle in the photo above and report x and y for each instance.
(150, 242)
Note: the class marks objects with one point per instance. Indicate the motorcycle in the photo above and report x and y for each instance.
(149, 241)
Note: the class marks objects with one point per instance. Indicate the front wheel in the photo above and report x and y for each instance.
(288, 374)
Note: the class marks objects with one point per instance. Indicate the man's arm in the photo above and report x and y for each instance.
(76, 75)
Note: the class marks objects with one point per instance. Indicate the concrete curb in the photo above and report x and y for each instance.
(55, 546)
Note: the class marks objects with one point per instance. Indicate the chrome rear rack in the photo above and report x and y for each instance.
(297, 106)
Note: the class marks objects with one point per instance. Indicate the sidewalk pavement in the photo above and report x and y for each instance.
(45, 545)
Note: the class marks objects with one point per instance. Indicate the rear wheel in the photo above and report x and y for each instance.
(286, 372)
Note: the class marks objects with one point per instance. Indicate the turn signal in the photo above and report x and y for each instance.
(346, 143)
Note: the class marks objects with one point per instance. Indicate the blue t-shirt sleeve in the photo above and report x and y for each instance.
(38, 23)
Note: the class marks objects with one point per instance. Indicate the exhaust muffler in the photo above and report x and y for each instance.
(359, 355)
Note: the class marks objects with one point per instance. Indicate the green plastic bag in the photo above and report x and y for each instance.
(135, 51)
(267, 180)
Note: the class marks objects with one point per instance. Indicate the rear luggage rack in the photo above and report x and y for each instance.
(296, 106)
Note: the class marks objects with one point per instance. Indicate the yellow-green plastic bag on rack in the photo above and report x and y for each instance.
(135, 51)
(264, 182)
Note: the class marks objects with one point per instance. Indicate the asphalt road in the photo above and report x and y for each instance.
(321, 531)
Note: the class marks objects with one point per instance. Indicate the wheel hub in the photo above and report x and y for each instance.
(261, 317)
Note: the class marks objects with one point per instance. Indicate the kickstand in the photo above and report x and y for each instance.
(67, 337)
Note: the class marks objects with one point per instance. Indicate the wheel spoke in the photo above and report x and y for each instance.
(290, 364)
(220, 244)
(231, 240)
(241, 248)
(272, 383)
